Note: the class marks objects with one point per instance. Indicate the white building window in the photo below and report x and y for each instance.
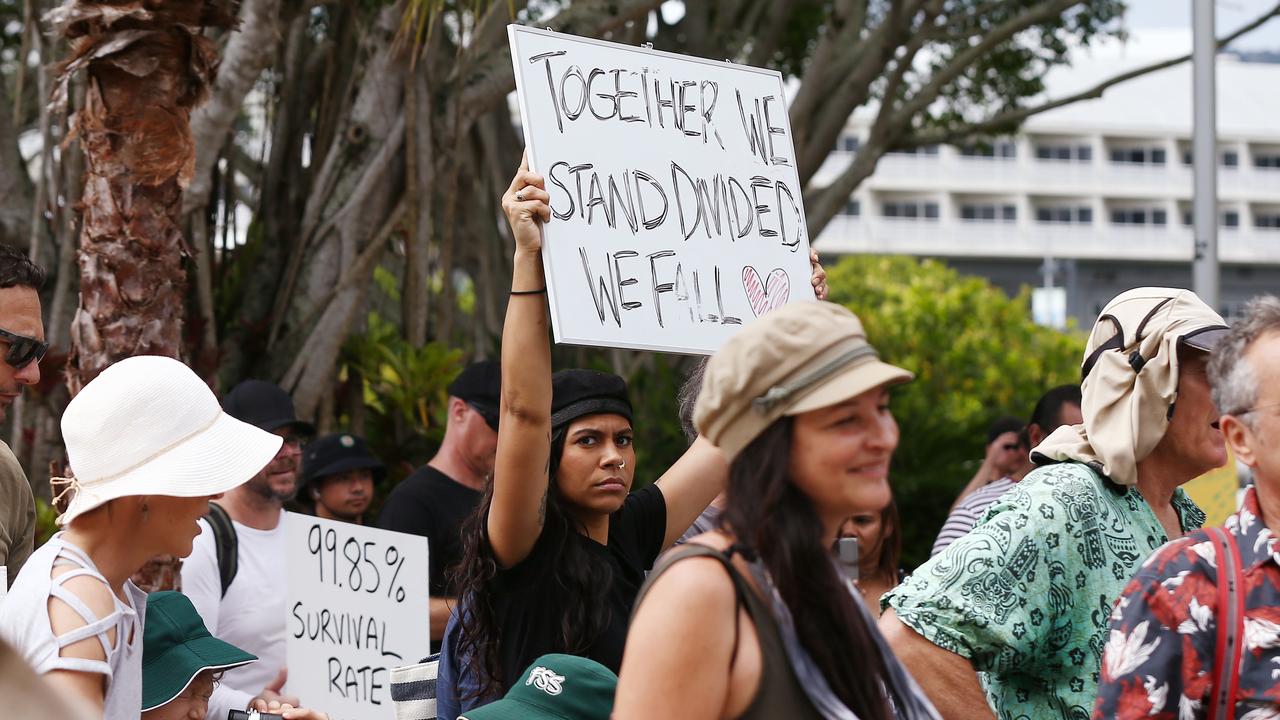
(853, 208)
(1064, 152)
(1227, 219)
(1138, 216)
(1267, 221)
(1137, 155)
(912, 209)
(988, 212)
(1267, 160)
(1005, 150)
(848, 143)
(1082, 215)
(1228, 158)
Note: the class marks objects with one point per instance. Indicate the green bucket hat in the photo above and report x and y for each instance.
(555, 687)
(176, 647)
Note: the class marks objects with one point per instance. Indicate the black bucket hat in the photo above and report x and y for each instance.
(338, 453)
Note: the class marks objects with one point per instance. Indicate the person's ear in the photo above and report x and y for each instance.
(457, 409)
(1240, 439)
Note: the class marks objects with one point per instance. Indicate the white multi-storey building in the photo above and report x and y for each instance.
(1097, 193)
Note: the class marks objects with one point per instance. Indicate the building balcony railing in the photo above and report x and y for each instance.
(1033, 176)
(1099, 241)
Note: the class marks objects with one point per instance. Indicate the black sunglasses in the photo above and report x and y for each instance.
(22, 349)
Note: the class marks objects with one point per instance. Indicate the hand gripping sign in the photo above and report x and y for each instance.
(677, 213)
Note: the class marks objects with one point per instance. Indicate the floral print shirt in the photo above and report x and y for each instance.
(1027, 594)
(1159, 658)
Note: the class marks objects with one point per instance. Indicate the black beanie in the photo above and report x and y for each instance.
(577, 393)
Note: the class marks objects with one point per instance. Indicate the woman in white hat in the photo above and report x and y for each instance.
(149, 446)
(754, 619)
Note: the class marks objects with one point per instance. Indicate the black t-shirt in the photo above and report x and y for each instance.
(528, 602)
(431, 504)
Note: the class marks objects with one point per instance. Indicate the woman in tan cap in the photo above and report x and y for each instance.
(560, 545)
(754, 619)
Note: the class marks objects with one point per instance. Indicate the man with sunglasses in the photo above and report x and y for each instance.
(235, 575)
(435, 500)
(22, 337)
(1057, 407)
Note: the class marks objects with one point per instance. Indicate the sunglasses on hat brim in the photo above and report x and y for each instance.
(22, 349)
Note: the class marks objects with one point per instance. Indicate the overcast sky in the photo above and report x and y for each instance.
(1168, 19)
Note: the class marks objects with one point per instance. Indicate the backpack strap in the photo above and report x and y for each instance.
(1230, 625)
(225, 541)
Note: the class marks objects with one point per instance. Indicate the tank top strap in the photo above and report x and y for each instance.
(70, 556)
(779, 693)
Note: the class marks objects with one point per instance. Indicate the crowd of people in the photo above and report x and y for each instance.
(1071, 579)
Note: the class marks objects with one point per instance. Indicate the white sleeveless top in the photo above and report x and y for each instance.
(24, 623)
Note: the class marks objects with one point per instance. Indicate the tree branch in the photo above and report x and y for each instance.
(1009, 120)
(249, 51)
(491, 79)
(958, 64)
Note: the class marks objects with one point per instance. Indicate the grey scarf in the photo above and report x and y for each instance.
(906, 699)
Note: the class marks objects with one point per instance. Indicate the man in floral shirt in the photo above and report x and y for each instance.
(1012, 617)
(1160, 655)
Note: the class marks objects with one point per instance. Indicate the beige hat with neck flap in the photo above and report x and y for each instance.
(1130, 378)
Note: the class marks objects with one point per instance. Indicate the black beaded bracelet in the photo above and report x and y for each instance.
(529, 292)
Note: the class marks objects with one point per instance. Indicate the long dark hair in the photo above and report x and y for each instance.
(583, 579)
(775, 519)
(891, 546)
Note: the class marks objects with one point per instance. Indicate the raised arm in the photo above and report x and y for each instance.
(690, 485)
(520, 473)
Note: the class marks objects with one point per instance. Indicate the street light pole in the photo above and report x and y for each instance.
(1204, 153)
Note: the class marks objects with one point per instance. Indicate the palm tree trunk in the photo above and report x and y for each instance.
(147, 68)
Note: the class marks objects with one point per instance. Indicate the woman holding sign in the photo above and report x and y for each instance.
(754, 619)
(560, 543)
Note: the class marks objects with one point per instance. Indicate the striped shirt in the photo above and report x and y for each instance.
(966, 513)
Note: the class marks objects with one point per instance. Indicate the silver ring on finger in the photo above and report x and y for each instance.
(520, 197)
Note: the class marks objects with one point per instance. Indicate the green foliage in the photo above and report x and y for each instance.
(46, 522)
(404, 393)
(976, 354)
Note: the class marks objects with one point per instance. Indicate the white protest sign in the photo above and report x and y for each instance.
(678, 215)
(357, 607)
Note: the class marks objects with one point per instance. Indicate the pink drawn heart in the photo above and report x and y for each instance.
(766, 295)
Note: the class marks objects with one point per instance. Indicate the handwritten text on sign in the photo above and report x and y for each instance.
(677, 207)
(357, 608)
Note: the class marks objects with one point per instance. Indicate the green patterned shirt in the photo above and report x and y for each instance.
(1027, 595)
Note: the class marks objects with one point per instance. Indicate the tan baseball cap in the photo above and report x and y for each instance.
(800, 357)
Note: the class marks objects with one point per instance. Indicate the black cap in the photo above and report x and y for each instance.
(480, 385)
(264, 405)
(577, 393)
(338, 453)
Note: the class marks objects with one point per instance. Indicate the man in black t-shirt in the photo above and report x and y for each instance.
(435, 500)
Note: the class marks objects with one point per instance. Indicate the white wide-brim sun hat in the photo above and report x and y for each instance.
(148, 425)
